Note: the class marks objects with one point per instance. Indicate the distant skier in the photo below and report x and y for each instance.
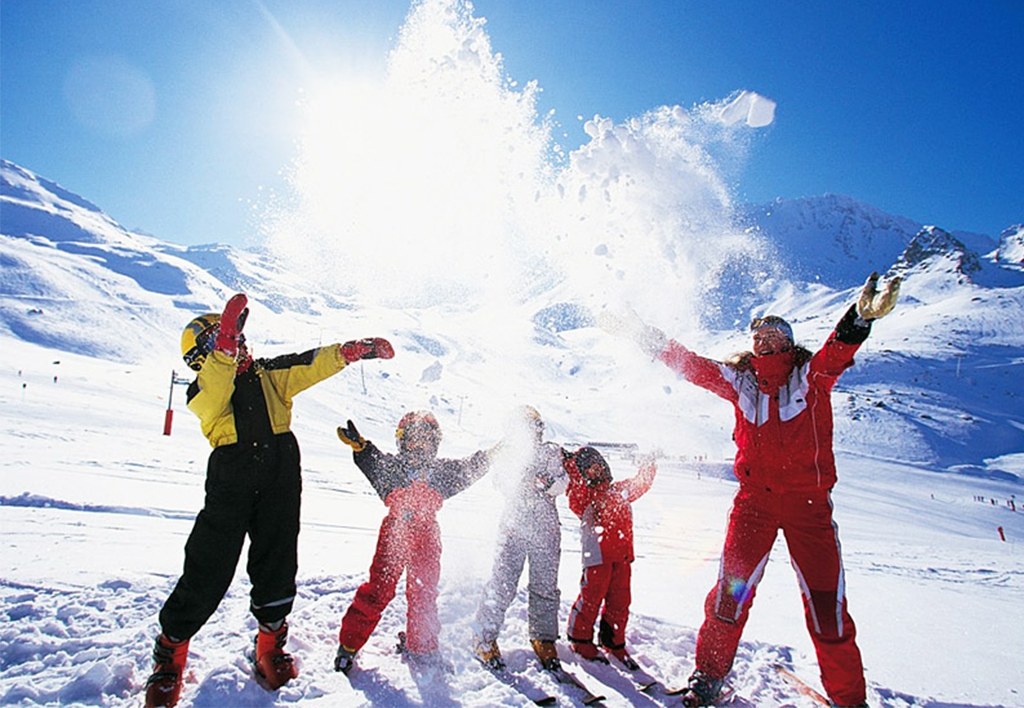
(413, 485)
(253, 487)
(606, 533)
(786, 469)
(529, 531)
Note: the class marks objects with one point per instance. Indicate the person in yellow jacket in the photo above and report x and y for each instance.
(253, 488)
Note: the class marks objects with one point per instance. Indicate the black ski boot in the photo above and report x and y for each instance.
(702, 690)
(345, 659)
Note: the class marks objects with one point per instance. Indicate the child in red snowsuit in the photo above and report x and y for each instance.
(606, 533)
(413, 485)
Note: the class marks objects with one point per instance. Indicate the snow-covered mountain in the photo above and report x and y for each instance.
(832, 239)
(939, 384)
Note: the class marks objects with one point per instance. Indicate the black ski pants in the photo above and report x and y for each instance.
(251, 489)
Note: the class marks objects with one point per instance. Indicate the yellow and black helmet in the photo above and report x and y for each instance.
(198, 338)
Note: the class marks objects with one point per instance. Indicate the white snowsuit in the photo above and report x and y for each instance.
(529, 529)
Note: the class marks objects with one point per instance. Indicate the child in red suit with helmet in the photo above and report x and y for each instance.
(606, 533)
(413, 485)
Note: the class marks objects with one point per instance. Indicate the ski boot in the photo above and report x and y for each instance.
(274, 666)
(547, 654)
(623, 657)
(862, 704)
(164, 686)
(702, 690)
(345, 659)
(489, 654)
(587, 650)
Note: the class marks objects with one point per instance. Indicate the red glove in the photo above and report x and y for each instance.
(369, 348)
(232, 320)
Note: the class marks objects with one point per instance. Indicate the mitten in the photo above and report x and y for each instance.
(232, 320)
(650, 339)
(369, 348)
(351, 437)
(874, 305)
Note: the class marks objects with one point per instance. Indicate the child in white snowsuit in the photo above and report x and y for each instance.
(529, 531)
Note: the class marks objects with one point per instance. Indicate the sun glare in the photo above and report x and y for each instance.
(436, 184)
(419, 176)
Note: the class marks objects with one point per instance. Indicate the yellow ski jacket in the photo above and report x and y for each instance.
(281, 378)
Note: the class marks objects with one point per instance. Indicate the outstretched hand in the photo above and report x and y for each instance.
(650, 339)
(874, 305)
(368, 348)
(351, 437)
(232, 320)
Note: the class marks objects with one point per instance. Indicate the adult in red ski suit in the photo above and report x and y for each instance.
(413, 485)
(786, 470)
(606, 534)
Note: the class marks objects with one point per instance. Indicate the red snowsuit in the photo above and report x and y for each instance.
(606, 534)
(409, 540)
(786, 470)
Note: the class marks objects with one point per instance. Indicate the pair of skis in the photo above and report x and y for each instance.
(642, 681)
(535, 693)
(520, 683)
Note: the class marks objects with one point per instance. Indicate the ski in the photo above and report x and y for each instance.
(645, 682)
(521, 684)
(567, 679)
(803, 688)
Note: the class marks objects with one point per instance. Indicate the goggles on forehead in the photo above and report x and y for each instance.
(774, 322)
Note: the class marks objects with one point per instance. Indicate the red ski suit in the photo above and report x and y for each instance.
(606, 534)
(786, 470)
(409, 541)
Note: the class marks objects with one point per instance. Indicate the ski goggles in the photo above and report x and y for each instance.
(773, 322)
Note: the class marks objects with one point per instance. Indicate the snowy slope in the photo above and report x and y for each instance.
(95, 506)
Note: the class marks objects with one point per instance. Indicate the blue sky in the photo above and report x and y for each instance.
(913, 107)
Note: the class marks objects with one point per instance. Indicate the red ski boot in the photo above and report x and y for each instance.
(274, 666)
(164, 686)
(586, 650)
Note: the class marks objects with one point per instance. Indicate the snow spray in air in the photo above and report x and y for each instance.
(441, 184)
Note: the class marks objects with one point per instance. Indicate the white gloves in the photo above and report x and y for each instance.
(650, 339)
(874, 305)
